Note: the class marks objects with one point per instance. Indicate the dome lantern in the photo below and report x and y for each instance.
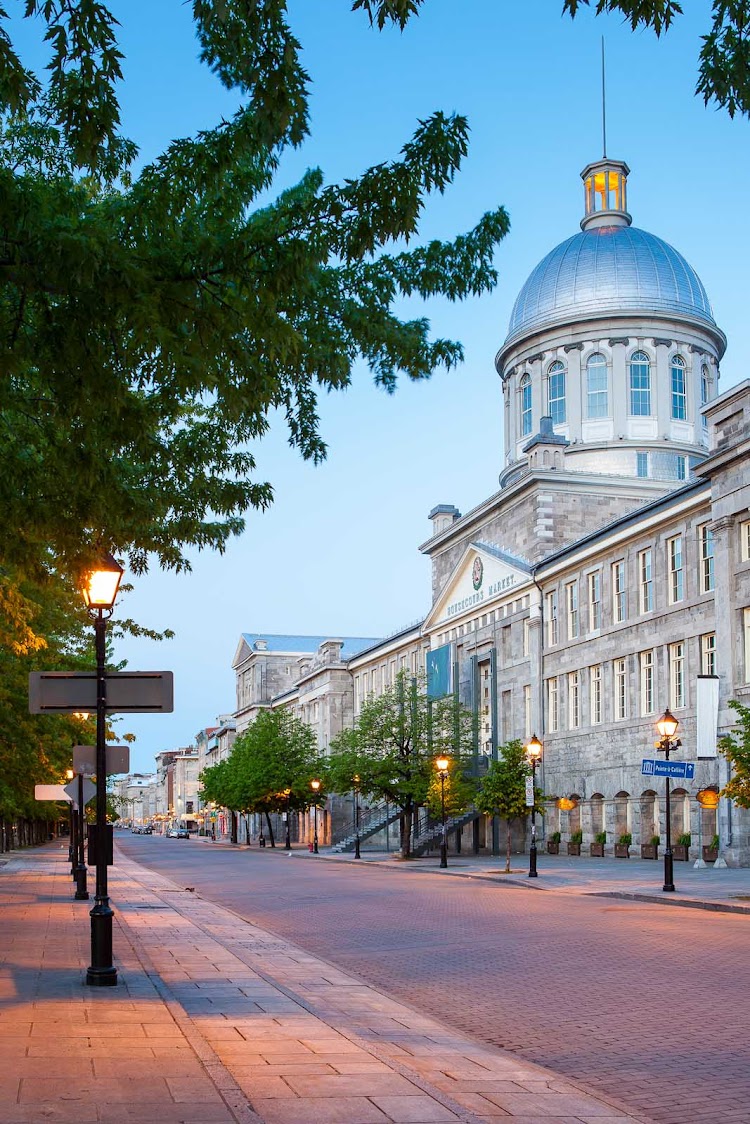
(605, 192)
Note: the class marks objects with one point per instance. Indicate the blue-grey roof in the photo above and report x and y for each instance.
(303, 644)
(605, 270)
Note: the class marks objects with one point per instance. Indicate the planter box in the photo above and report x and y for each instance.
(680, 853)
(553, 848)
(649, 851)
(597, 850)
(622, 851)
(574, 848)
(710, 854)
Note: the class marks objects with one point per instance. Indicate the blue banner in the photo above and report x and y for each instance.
(439, 672)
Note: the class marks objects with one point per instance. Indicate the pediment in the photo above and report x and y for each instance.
(484, 576)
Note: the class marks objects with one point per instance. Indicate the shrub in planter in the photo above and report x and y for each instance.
(650, 850)
(574, 844)
(711, 850)
(597, 847)
(682, 846)
(622, 846)
(553, 843)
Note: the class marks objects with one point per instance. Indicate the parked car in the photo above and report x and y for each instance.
(177, 833)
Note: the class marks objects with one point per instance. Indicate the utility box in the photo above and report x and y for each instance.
(93, 836)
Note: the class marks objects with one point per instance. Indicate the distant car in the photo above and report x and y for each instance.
(177, 833)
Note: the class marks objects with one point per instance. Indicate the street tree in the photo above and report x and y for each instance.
(502, 791)
(735, 747)
(389, 752)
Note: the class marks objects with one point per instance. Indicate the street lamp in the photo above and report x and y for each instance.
(667, 727)
(288, 840)
(533, 756)
(99, 595)
(315, 786)
(442, 764)
(355, 779)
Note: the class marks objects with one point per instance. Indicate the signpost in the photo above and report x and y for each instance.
(128, 692)
(80, 794)
(84, 759)
(529, 792)
(681, 770)
(52, 792)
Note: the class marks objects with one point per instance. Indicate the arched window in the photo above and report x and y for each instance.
(525, 388)
(556, 392)
(596, 386)
(679, 394)
(640, 385)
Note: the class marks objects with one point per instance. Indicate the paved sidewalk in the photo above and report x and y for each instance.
(214, 1020)
(726, 889)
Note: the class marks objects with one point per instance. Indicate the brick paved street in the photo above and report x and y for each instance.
(644, 1002)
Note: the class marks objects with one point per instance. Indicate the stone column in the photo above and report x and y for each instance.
(620, 398)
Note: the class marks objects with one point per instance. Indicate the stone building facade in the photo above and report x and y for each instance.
(609, 577)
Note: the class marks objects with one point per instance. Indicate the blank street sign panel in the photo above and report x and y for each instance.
(132, 692)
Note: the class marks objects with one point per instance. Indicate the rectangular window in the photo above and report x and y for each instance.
(708, 654)
(618, 592)
(677, 674)
(595, 684)
(571, 603)
(647, 682)
(645, 581)
(595, 601)
(527, 710)
(621, 689)
(707, 559)
(746, 634)
(596, 387)
(641, 464)
(676, 574)
(574, 702)
(745, 540)
(553, 631)
(681, 468)
(553, 715)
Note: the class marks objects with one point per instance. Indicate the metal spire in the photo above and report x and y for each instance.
(604, 109)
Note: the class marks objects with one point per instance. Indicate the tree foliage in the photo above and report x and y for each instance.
(393, 744)
(736, 748)
(502, 790)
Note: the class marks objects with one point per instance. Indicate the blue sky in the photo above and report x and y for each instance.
(337, 553)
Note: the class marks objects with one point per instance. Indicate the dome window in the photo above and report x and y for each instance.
(525, 389)
(597, 405)
(556, 392)
(679, 391)
(640, 385)
(605, 189)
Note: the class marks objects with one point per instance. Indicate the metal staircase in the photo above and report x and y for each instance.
(371, 821)
(430, 829)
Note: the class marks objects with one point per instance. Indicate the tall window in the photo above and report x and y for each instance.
(621, 689)
(677, 674)
(556, 392)
(596, 386)
(618, 592)
(707, 558)
(645, 581)
(745, 540)
(595, 685)
(676, 573)
(526, 637)
(679, 393)
(553, 631)
(708, 654)
(641, 465)
(525, 388)
(571, 606)
(595, 601)
(527, 710)
(647, 682)
(553, 713)
(705, 392)
(640, 385)
(574, 701)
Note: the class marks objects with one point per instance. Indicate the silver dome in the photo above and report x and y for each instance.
(608, 270)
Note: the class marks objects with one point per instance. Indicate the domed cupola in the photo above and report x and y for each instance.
(612, 336)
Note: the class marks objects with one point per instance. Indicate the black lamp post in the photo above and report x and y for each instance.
(69, 774)
(355, 778)
(442, 765)
(99, 594)
(533, 756)
(667, 727)
(288, 839)
(315, 786)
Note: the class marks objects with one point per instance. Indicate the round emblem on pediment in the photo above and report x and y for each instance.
(477, 572)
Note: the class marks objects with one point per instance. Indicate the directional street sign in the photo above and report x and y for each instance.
(89, 790)
(84, 759)
(51, 792)
(682, 770)
(68, 692)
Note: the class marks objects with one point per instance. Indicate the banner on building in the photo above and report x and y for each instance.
(439, 672)
(707, 715)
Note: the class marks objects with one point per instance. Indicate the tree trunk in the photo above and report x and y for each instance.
(406, 822)
(507, 852)
(233, 827)
(270, 830)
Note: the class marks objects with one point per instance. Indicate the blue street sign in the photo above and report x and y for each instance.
(683, 770)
